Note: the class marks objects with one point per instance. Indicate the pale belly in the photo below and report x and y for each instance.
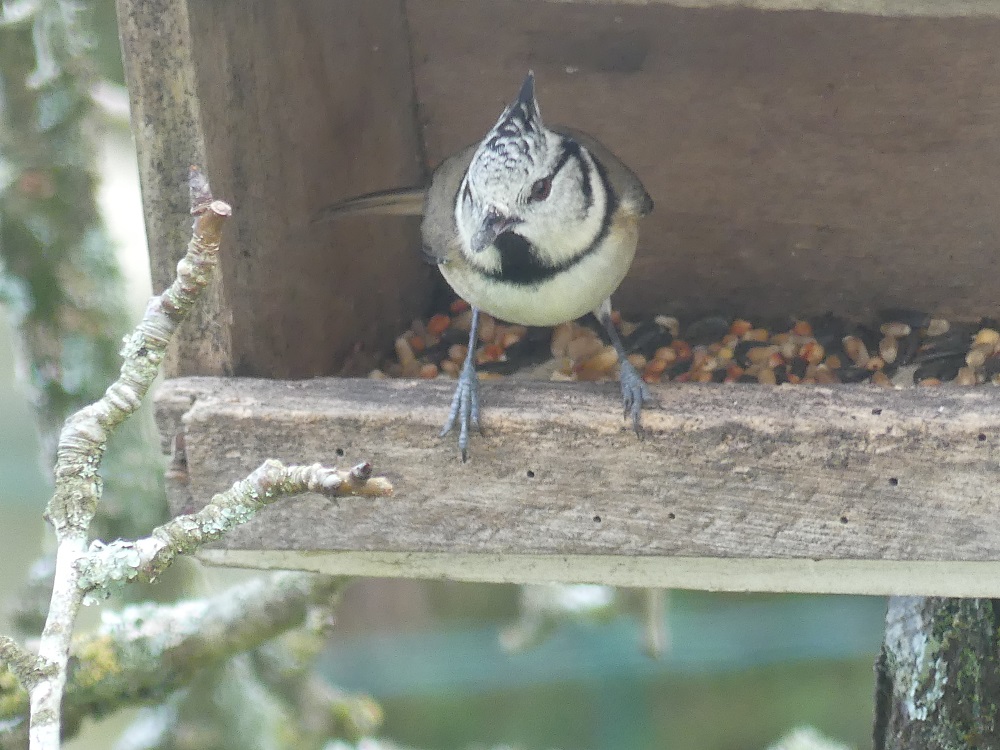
(566, 296)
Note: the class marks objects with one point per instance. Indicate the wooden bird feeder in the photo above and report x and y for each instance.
(801, 161)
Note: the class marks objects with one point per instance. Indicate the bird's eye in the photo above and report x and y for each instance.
(541, 189)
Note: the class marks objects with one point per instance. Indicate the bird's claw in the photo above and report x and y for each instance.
(634, 394)
(464, 408)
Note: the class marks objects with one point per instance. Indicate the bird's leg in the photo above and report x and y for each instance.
(634, 391)
(465, 403)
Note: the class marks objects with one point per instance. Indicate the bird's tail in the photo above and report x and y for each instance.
(399, 202)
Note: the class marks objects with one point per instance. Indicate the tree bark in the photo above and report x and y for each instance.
(938, 675)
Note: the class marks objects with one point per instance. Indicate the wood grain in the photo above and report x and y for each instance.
(902, 8)
(166, 123)
(732, 472)
(867, 577)
(303, 104)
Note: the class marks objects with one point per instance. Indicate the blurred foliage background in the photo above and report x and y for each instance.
(741, 670)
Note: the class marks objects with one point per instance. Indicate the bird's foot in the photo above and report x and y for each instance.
(465, 407)
(634, 394)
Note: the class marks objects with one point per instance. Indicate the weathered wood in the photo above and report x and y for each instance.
(166, 122)
(901, 8)
(868, 577)
(285, 134)
(799, 161)
(938, 675)
(733, 473)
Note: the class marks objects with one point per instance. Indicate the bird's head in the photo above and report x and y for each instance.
(532, 181)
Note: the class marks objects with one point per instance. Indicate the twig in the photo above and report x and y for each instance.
(146, 651)
(83, 441)
(107, 567)
(78, 490)
(286, 668)
(656, 636)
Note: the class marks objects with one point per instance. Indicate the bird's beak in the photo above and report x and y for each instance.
(493, 225)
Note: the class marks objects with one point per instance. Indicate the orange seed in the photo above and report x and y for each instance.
(438, 324)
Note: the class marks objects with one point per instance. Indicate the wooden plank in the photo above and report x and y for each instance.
(303, 104)
(898, 8)
(866, 577)
(166, 123)
(799, 161)
(728, 473)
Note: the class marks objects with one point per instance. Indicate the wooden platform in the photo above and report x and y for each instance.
(845, 489)
(801, 161)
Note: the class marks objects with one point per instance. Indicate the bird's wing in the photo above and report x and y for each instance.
(624, 182)
(440, 234)
(398, 202)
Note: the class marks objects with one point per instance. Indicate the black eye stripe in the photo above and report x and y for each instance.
(585, 186)
(571, 149)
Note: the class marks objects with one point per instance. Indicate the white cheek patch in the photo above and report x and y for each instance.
(563, 226)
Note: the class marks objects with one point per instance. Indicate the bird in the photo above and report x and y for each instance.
(534, 225)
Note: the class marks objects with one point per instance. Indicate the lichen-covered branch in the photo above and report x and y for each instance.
(143, 653)
(106, 567)
(206, 629)
(151, 650)
(938, 675)
(23, 664)
(81, 447)
(78, 491)
(286, 667)
(61, 287)
(84, 437)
